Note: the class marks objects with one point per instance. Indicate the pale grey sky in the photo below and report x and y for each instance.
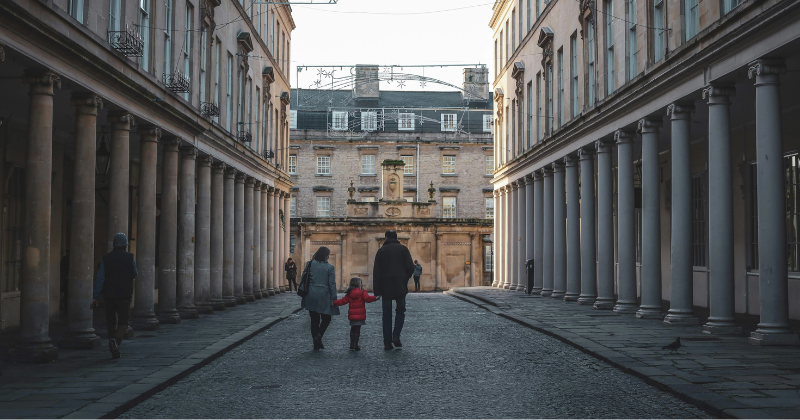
(386, 32)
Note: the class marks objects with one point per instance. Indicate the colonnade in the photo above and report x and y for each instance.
(222, 239)
(574, 259)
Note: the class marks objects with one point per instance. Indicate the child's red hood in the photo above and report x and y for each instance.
(356, 293)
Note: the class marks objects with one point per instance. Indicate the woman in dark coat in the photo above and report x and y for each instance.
(321, 294)
(291, 273)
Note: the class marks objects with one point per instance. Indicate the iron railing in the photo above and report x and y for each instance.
(209, 109)
(129, 42)
(176, 82)
(244, 136)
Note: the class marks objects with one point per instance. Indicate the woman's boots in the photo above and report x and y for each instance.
(354, 341)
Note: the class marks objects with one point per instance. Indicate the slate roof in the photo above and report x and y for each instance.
(319, 100)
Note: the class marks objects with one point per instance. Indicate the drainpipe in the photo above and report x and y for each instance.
(416, 193)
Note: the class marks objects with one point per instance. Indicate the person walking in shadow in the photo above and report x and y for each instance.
(417, 274)
(291, 273)
(321, 295)
(393, 267)
(114, 283)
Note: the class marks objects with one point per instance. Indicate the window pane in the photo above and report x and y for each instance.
(449, 207)
(323, 206)
(293, 206)
(408, 169)
(489, 164)
(323, 165)
(292, 165)
(489, 205)
(368, 164)
(448, 164)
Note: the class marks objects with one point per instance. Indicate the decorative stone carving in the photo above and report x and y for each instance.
(361, 211)
(431, 192)
(766, 66)
(680, 110)
(647, 125)
(46, 78)
(424, 211)
(351, 191)
(623, 136)
(393, 212)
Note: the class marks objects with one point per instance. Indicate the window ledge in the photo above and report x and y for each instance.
(449, 175)
(488, 176)
(323, 175)
(367, 175)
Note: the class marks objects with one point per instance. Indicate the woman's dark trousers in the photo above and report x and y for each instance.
(319, 323)
(399, 319)
(292, 281)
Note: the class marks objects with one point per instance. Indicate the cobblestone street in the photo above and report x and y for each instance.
(458, 361)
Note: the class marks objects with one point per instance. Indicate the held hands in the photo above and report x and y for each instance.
(377, 298)
(94, 304)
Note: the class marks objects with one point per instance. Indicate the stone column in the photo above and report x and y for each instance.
(144, 317)
(238, 240)
(286, 239)
(228, 241)
(119, 175)
(651, 221)
(559, 232)
(217, 245)
(186, 235)
(605, 228)
(588, 251)
(168, 235)
(80, 333)
(34, 330)
(257, 240)
(573, 230)
(529, 228)
(773, 328)
(522, 277)
(202, 262)
(265, 231)
(538, 234)
(515, 237)
(276, 248)
(680, 311)
(496, 238)
(547, 229)
(271, 242)
(510, 236)
(720, 205)
(247, 274)
(626, 232)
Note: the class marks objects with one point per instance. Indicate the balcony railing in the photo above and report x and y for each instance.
(244, 136)
(129, 42)
(176, 82)
(209, 109)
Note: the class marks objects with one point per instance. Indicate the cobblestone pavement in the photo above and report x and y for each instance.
(458, 361)
(88, 384)
(725, 375)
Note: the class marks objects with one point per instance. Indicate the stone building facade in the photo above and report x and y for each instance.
(334, 146)
(646, 157)
(163, 119)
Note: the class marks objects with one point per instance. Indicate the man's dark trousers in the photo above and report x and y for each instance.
(117, 313)
(399, 319)
(416, 283)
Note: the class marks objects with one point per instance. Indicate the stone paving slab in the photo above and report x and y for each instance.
(723, 375)
(88, 384)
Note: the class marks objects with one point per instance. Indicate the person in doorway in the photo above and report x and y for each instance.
(291, 273)
(321, 294)
(114, 283)
(393, 267)
(417, 274)
(357, 298)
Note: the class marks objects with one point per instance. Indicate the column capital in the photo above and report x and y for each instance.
(171, 143)
(508, 188)
(188, 152)
(680, 110)
(537, 175)
(120, 120)
(766, 67)
(288, 196)
(586, 153)
(149, 133)
(602, 146)
(230, 171)
(86, 102)
(249, 181)
(649, 125)
(257, 185)
(265, 188)
(624, 136)
(528, 179)
(240, 177)
(521, 183)
(547, 171)
(218, 165)
(206, 160)
(496, 193)
(571, 160)
(513, 185)
(558, 166)
(275, 192)
(719, 93)
(46, 78)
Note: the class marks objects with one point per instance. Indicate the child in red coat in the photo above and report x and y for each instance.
(357, 297)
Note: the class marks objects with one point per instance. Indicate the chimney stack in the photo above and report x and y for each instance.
(476, 84)
(367, 85)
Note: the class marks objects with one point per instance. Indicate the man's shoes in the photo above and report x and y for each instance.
(112, 346)
(396, 342)
(317, 343)
(387, 345)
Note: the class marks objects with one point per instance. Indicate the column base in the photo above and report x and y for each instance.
(283, 289)
(558, 294)
(264, 293)
(250, 298)
(257, 294)
(240, 300)
(761, 339)
(188, 313)
(586, 300)
(626, 308)
(604, 303)
(506, 286)
(649, 313)
(681, 319)
(546, 293)
(147, 322)
(205, 309)
(218, 305)
(494, 284)
(571, 297)
(513, 287)
(85, 340)
(271, 292)
(230, 301)
(722, 329)
(169, 317)
(28, 352)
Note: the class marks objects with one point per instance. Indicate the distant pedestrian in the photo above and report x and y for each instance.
(417, 273)
(291, 273)
(321, 294)
(114, 283)
(393, 267)
(357, 297)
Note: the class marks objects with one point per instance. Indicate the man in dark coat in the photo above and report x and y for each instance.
(393, 267)
(114, 282)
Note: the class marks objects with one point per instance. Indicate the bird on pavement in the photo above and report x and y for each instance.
(674, 346)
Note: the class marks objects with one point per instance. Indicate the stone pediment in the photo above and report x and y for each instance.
(245, 42)
(545, 36)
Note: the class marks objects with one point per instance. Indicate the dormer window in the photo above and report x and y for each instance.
(406, 121)
(449, 122)
(339, 121)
